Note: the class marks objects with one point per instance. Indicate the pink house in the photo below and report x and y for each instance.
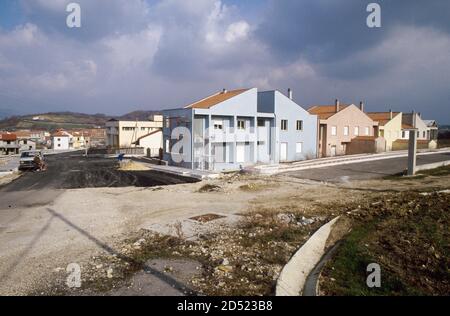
(339, 125)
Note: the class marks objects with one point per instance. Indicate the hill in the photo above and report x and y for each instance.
(66, 120)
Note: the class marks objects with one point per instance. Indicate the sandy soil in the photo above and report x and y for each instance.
(38, 242)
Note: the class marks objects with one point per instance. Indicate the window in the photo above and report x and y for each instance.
(299, 148)
(167, 145)
(366, 131)
(333, 130)
(218, 124)
(261, 123)
(356, 131)
(403, 135)
(346, 130)
(299, 125)
(59, 139)
(25, 142)
(418, 134)
(284, 125)
(241, 124)
(424, 135)
(59, 145)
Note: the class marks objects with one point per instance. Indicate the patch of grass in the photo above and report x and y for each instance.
(408, 236)
(254, 187)
(438, 172)
(402, 177)
(209, 188)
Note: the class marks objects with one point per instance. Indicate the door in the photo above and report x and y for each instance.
(333, 151)
(240, 153)
(283, 151)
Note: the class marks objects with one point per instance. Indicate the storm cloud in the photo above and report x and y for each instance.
(137, 54)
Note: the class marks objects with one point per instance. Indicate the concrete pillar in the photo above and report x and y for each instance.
(235, 139)
(255, 144)
(209, 159)
(412, 151)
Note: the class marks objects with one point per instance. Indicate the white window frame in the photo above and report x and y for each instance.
(218, 124)
(356, 130)
(241, 126)
(346, 130)
(297, 145)
(333, 130)
(367, 131)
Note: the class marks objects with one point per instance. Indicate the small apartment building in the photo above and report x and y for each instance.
(26, 140)
(122, 134)
(339, 124)
(390, 126)
(234, 129)
(216, 133)
(61, 140)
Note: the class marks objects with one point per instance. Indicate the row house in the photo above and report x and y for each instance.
(233, 129)
(345, 129)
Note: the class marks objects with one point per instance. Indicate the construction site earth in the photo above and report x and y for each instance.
(137, 231)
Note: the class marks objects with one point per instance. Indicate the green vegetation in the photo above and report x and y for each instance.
(408, 237)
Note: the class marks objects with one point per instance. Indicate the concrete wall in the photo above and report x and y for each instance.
(363, 146)
(402, 144)
(351, 117)
(152, 143)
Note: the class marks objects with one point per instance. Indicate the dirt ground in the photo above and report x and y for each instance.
(112, 233)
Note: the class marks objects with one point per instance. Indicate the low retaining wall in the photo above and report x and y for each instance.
(433, 165)
(293, 276)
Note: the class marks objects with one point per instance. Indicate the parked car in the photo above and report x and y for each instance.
(32, 160)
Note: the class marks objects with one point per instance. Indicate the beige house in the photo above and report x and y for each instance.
(124, 134)
(152, 143)
(390, 126)
(339, 124)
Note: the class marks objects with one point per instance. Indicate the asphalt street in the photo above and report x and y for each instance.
(73, 171)
(365, 170)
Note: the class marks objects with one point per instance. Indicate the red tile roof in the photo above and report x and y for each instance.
(8, 137)
(382, 117)
(215, 99)
(325, 111)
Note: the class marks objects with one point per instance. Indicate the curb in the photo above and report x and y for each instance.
(293, 276)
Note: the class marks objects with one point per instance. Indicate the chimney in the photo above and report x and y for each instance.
(391, 115)
(361, 106)
(337, 105)
(290, 93)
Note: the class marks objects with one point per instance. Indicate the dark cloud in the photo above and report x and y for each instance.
(329, 30)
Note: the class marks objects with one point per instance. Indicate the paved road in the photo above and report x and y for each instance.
(365, 170)
(72, 171)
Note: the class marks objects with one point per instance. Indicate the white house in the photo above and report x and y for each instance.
(61, 140)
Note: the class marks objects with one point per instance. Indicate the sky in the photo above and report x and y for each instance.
(157, 54)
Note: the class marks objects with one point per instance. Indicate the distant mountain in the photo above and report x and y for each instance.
(5, 113)
(67, 120)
